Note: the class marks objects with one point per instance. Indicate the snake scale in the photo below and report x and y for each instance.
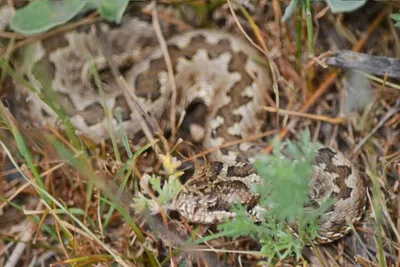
(214, 68)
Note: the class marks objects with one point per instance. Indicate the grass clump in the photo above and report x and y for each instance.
(286, 176)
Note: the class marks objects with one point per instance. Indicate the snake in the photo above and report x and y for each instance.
(218, 70)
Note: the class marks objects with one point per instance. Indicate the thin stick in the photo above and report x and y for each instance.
(170, 69)
(236, 142)
(11, 35)
(280, 111)
(372, 65)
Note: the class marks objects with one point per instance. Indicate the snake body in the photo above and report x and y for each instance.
(209, 197)
(214, 68)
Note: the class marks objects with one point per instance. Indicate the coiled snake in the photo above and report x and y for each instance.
(219, 70)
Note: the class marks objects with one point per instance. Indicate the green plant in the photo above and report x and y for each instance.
(290, 9)
(284, 193)
(396, 18)
(165, 193)
(40, 16)
(336, 6)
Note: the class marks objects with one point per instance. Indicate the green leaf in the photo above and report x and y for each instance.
(397, 24)
(289, 10)
(305, 136)
(111, 10)
(338, 6)
(40, 16)
(396, 16)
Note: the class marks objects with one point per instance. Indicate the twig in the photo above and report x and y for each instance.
(338, 120)
(318, 60)
(170, 69)
(236, 142)
(11, 35)
(375, 65)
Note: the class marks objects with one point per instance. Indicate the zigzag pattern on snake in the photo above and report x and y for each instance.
(216, 68)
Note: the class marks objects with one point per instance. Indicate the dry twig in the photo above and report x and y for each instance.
(170, 69)
(375, 65)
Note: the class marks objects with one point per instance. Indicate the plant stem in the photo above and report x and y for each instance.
(377, 204)
(299, 25)
(309, 29)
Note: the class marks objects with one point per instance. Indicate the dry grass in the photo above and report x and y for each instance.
(65, 201)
